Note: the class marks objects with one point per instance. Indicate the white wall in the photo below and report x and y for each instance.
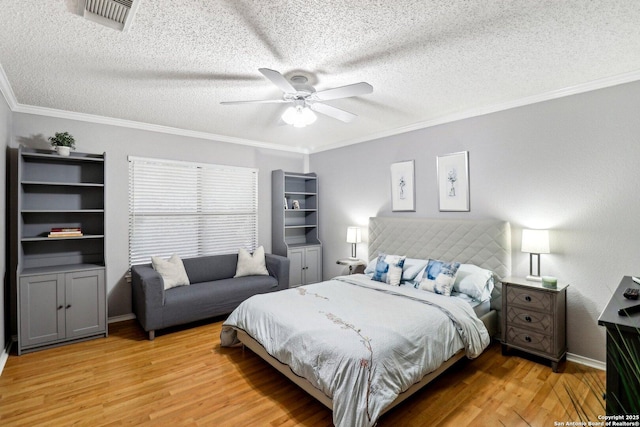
(571, 165)
(119, 143)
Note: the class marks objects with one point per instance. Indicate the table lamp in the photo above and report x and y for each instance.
(535, 242)
(354, 235)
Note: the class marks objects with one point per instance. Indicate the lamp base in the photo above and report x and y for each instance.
(534, 278)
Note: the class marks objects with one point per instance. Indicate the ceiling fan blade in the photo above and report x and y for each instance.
(278, 80)
(355, 89)
(333, 112)
(258, 101)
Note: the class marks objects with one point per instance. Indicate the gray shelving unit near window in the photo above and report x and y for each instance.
(295, 230)
(61, 288)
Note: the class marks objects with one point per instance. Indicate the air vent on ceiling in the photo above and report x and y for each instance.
(117, 14)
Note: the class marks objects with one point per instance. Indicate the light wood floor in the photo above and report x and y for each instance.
(185, 378)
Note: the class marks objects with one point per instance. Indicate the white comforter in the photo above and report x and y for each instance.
(361, 342)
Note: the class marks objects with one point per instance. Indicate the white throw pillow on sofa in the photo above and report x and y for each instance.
(251, 265)
(172, 271)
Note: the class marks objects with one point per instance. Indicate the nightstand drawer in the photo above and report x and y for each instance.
(528, 319)
(529, 298)
(528, 339)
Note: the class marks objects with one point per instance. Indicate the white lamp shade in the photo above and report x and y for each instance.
(354, 235)
(299, 116)
(535, 241)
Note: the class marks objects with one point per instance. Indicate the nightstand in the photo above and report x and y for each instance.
(534, 318)
(354, 264)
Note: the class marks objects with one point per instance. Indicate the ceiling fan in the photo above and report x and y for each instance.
(305, 98)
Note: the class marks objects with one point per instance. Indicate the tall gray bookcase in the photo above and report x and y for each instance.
(61, 291)
(294, 229)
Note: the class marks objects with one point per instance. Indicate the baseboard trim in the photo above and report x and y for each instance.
(116, 319)
(575, 358)
(5, 356)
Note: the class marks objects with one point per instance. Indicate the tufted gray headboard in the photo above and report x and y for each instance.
(485, 243)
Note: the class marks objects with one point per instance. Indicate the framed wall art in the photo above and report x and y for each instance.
(453, 182)
(403, 191)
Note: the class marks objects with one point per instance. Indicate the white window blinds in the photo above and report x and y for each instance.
(190, 209)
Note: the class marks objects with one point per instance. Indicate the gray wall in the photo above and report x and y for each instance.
(571, 165)
(5, 137)
(118, 143)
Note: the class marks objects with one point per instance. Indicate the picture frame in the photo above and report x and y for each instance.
(453, 182)
(403, 191)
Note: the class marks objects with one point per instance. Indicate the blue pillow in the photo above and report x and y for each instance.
(388, 269)
(439, 277)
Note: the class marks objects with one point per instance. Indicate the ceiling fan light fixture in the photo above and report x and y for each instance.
(299, 116)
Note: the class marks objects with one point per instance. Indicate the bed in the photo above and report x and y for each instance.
(360, 346)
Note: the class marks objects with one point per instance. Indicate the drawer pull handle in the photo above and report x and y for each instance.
(69, 306)
(527, 318)
(527, 338)
(60, 307)
(527, 298)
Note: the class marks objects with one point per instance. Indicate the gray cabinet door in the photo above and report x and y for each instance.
(85, 303)
(313, 265)
(305, 266)
(296, 272)
(41, 309)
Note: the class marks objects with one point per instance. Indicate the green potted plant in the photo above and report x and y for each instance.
(63, 143)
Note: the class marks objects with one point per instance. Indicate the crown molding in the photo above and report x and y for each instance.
(488, 109)
(7, 90)
(603, 83)
(16, 107)
(92, 118)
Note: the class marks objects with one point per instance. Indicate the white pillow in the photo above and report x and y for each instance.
(172, 271)
(251, 265)
(474, 281)
(371, 267)
(411, 268)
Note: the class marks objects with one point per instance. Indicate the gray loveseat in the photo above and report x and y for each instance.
(213, 290)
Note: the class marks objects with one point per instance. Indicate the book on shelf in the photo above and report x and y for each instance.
(65, 232)
(65, 229)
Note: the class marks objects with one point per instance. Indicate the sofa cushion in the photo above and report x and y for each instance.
(251, 264)
(172, 271)
(200, 300)
(211, 267)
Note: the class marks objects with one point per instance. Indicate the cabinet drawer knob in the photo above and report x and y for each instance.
(527, 318)
(60, 307)
(69, 306)
(527, 298)
(527, 338)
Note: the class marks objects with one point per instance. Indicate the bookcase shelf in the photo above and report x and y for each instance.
(59, 281)
(295, 224)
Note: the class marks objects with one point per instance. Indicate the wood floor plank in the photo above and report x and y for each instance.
(184, 378)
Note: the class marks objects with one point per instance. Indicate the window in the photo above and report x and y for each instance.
(190, 209)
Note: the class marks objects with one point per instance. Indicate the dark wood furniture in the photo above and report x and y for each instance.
(623, 342)
(534, 318)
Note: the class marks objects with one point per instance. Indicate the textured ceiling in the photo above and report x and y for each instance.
(426, 59)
